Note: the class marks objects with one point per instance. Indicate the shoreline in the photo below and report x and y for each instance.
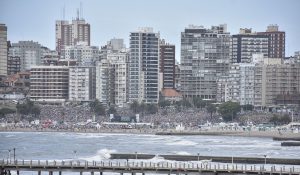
(171, 133)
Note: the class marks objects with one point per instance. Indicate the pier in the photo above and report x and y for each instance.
(143, 167)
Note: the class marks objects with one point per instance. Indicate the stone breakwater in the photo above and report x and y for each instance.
(246, 160)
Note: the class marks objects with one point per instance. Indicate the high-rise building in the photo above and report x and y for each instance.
(245, 44)
(3, 50)
(276, 42)
(82, 83)
(167, 64)
(111, 79)
(70, 34)
(81, 53)
(29, 52)
(205, 55)
(49, 84)
(144, 66)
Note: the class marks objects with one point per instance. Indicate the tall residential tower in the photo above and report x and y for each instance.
(144, 66)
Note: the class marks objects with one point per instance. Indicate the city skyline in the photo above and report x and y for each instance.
(116, 19)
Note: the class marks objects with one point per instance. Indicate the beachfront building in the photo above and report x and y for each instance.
(70, 34)
(144, 66)
(205, 56)
(276, 41)
(82, 83)
(83, 54)
(3, 50)
(167, 64)
(49, 84)
(247, 43)
(111, 79)
(27, 53)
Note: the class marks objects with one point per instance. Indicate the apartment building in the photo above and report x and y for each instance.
(49, 84)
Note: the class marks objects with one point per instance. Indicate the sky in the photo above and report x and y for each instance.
(35, 19)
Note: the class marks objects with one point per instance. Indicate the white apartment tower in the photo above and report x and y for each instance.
(3, 50)
(82, 83)
(144, 66)
(111, 79)
(83, 54)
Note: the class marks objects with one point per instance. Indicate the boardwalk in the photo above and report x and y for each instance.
(146, 167)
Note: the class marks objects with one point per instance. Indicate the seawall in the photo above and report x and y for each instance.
(221, 159)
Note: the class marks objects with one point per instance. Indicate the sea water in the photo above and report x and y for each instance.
(99, 146)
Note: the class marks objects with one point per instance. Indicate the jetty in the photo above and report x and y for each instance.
(143, 167)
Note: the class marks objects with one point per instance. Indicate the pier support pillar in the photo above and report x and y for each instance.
(132, 173)
(39, 173)
(101, 173)
(18, 172)
(81, 173)
(92, 173)
(59, 173)
(50, 172)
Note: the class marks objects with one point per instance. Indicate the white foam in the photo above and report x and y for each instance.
(102, 154)
(182, 153)
(182, 142)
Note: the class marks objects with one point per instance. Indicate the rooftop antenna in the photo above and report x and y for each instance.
(81, 11)
(64, 12)
(77, 14)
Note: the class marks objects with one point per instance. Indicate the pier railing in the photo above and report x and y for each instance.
(139, 166)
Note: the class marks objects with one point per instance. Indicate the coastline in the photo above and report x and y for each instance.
(171, 133)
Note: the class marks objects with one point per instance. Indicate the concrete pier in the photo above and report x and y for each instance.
(146, 167)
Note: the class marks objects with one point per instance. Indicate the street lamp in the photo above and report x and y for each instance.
(265, 159)
(135, 155)
(75, 154)
(14, 154)
(9, 156)
(198, 156)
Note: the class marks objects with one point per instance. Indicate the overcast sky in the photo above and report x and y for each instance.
(35, 19)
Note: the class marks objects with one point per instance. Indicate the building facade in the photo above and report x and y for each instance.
(144, 66)
(29, 53)
(245, 44)
(49, 84)
(83, 54)
(3, 50)
(276, 41)
(112, 79)
(82, 83)
(167, 64)
(68, 34)
(205, 55)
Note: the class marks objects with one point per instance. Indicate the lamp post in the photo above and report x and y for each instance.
(14, 154)
(265, 159)
(135, 155)
(198, 156)
(75, 154)
(9, 156)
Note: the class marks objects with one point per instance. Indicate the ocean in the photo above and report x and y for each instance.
(99, 146)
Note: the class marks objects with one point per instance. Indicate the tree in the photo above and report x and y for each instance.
(35, 110)
(211, 109)
(198, 102)
(164, 103)
(247, 107)
(229, 110)
(111, 110)
(280, 120)
(151, 108)
(134, 106)
(5, 111)
(97, 107)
